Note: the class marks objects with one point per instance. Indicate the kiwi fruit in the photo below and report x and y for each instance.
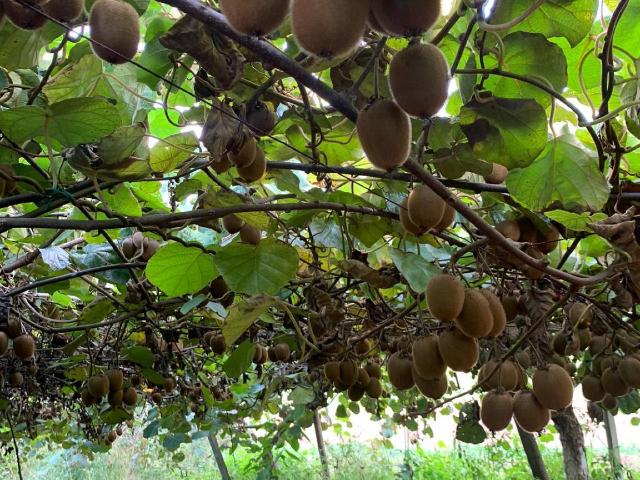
(384, 130)
(424, 207)
(255, 17)
(509, 229)
(23, 17)
(510, 305)
(112, 436)
(257, 169)
(363, 378)
(427, 361)
(257, 354)
(419, 80)
(553, 387)
(498, 313)
(523, 358)
(458, 351)
(362, 347)
(98, 385)
(116, 379)
(332, 371)
(496, 410)
(24, 346)
(613, 383)
(374, 370)
(374, 389)
(16, 379)
(400, 371)
(64, 10)
(271, 355)
(207, 337)
(406, 222)
(245, 155)
(548, 241)
(115, 398)
(506, 377)
(445, 297)
(218, 344)
(592, 388)
(529, 413)
(260, 119)
(130, 396)
(348, 372)
(232, 223)
(629, 369)
(87, 398)
(447, 219)
(115, 30)
(583, 337)
(220, 292)
(528, 232)
(283, 352)
(559, 343)
(476, 318)
(610, 402)
(498, 174)
(374, 25)
(405, 18)
(433, 388)
(250, 235)
(329, 28)
(610, 361)
(169, 384)
(13, 328)
(4, 343)
(222, 165)
(580, 315)
(156, 397)
(355, 393)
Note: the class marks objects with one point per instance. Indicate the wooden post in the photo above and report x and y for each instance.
(217, 454)
(322, 451)
(530, 446)
(614, 447)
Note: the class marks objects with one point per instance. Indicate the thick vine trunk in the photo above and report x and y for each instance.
(614, 447)
(530, 446)
(572, 439)
(322, 451)
(217, 454)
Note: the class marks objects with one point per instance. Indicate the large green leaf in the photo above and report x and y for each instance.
(239, 360)
(505, 131)
(169, 153)
(571, 19)
(564, 177)
(415, 269)
(242, 315)
(265, 268)
(578, 222)
(20, 48)
(179, 270)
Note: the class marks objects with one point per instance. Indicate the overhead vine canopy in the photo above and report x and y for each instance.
(233, 213)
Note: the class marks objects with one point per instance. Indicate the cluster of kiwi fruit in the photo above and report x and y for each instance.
(539, 243)
(29, 19)
(113, 435)
(139, 247)
(249, 159)
(110, 385)
(248, 234)
(280, 352)
(23, 347)
(346, 375)
(424, 210)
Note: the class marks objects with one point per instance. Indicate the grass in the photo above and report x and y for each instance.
(135, 458)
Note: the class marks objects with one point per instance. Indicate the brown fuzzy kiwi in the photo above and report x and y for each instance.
(506, 377)
(498, 174)
(374, 24)
(222, 165)
(613, 383)
(169, 384)
(220, 292)
(16, 379)
(218, 344)
(283, 352)
(530, 272)
(4, 343)
(427, 360)
(510, 305)
(250, 235)
(116, 379)
(115, 398)
(156, 397)
(553, 387)
(257, 354)
(445, 297)
(509, 229)
(13, 328)
(425, 208)
(522, 377)
(255, 17)
(447, 219)
(529, 413)
(433, 388)
(406, 222)
(232, 223)
(580, 315)
(332, 371)
(496, 410)
(374, 370)
(362, 347)
(271, 354)
(548, 241)
(87, 398)
(399, 369)
(374, 389)
(130, 396)
(98, 385)
(629, 369)
(458, 351)
(355, 393)
(528, 232)
(610, 402)
(523, 358)
(260, 119)
(207, 337)
(610, 361)
(559, 343)
(64, 10)
(476, 318)
(384, 130)
(114, 24)
(24, 346)
(583, 337)
(245, 155)
(592, 388)
(23, 17)
(498, 313)
(329, 28)
(406, 18)
(363, 378)
(348, 372)
(257, 169)
(419, 79)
